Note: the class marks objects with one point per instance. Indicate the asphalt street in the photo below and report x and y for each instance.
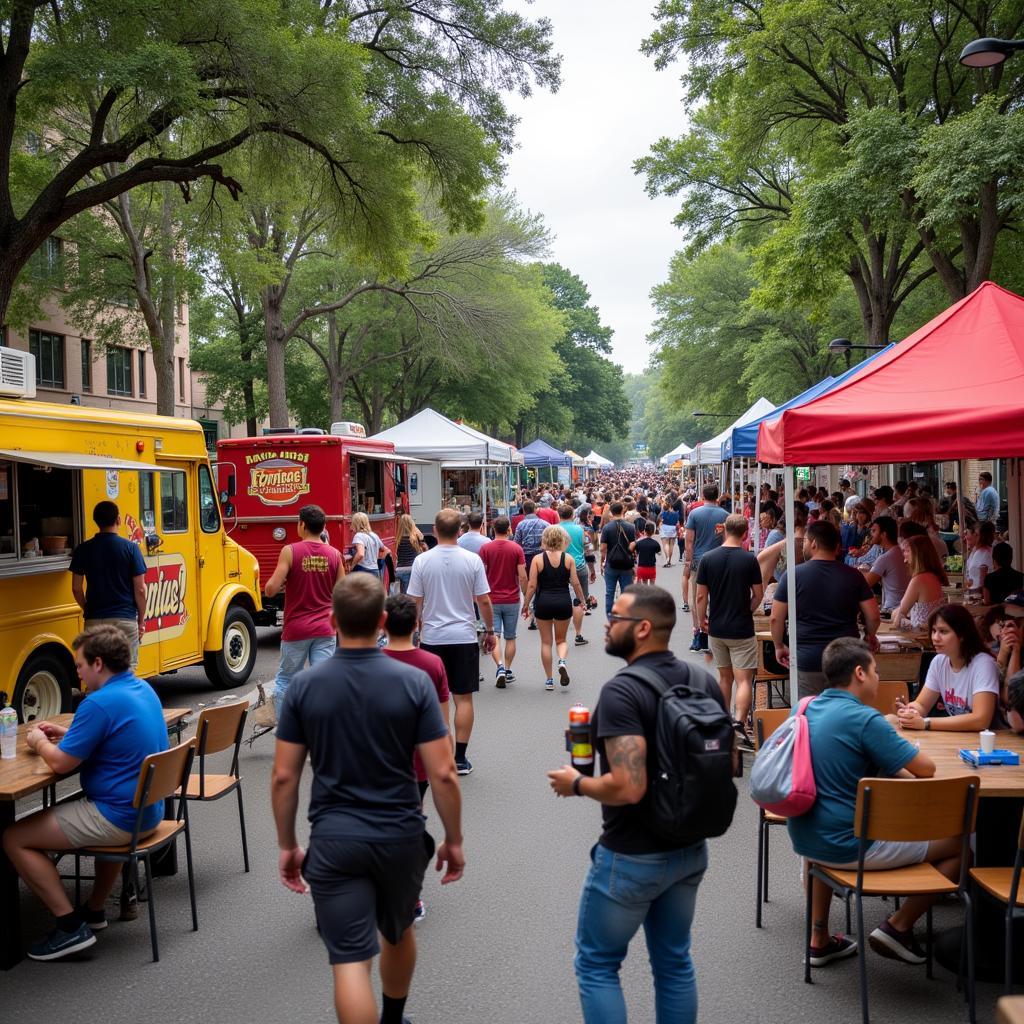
(496, 947)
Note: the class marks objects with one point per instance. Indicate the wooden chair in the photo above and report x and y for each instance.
(218, 729)
(765, 723)
(770, 673)
(888, 691)
(903, 810)
(898, 665)
(160, 778)
(1004, 885)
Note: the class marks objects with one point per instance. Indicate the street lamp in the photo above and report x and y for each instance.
(986, 53)
(718, 415)
(845, 346)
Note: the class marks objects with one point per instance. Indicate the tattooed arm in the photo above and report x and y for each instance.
(626, 783)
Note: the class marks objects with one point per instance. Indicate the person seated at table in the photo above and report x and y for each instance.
(883, 499)
(927, 578)
(962, 673)
(116, 727)
(979, 560)
(854, 534)
(889, 569)
(1014, 702)
(850, 740)
(991, 629)
(922, 510)
(1003, 580)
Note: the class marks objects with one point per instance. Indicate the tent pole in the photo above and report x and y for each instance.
(789, 473)
(757, 508)
(961, 525)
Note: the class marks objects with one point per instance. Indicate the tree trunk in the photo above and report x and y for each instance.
(277, 394)
(163, 344)
(336, 375)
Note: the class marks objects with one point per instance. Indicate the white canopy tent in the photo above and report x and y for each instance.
(681, 451)
(710, 452)
(430, 435)
(599, 460)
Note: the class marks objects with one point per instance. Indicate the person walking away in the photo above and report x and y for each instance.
(306, 571)
(729, 580)
(108, 579)
(117, 726)
(636, 877)
(474, 538)
(359, 716)
(616, 555)
(647, 550)
(552, 577)
(577, 551)
(368, 550)
(527, 536)
(987, 505)
(505, 566)
(890, 568)
(704, 527)
(829, 598)
(401, 622)
(408, 544)
(445, 582)
(668, 520)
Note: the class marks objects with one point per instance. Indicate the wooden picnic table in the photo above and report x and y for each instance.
(20, 777)
(993, 780)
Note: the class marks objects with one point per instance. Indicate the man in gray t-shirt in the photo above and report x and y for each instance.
(704, 529)
(889, 568)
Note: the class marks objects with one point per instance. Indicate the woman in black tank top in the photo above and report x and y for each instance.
(552, 579)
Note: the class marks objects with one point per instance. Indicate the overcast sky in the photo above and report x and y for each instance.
(575, 156)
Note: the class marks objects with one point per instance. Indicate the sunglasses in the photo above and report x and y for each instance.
(625, 618)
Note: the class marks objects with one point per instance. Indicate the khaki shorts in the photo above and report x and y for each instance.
(130, 628)
(741, 654)
(84, 825)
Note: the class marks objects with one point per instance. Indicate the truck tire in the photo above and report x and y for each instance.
(232, 664)
(44, 687)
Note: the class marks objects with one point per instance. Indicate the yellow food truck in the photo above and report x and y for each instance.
(202, 589)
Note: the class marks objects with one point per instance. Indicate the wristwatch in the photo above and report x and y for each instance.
(576, 785)
(927, 725)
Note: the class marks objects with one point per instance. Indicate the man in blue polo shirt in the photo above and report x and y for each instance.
(108, 577)
(115, 729)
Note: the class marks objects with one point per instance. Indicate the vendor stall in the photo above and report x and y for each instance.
(551, 464)
(600, 461)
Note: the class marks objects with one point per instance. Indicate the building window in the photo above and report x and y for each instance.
(48, 350)
(46, 263)
(86, 364)
(119, 371)
(209, 434)
(181, 379)
(142, 373)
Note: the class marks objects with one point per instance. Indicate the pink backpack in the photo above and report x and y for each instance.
(782, 777)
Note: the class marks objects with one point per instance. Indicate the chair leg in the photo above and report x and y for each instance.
(760, 868)
(78, 879)
(928, 944)
(969, 926)
(767, 851)
(849, 923)
(241, 823)
(862, 957)
(1009, 949)
(191, 875)
(809, 885)
(152, 910)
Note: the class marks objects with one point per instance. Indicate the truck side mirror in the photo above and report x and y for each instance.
(224, 497)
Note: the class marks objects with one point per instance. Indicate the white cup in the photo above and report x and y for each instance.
(987, 739)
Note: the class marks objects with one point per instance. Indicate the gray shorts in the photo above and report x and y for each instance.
(887, 854)
(809, 684)
(741, 654)
(130, 628)
(506, 619)
(84, 825)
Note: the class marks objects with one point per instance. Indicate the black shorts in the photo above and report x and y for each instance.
(360, 888)
(461, 665)
(553, 606)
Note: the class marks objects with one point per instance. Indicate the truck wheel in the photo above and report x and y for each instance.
(43, 688)
(232, 664)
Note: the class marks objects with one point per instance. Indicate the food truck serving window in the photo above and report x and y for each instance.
(366, 481)
(37, 512)
(174, 501)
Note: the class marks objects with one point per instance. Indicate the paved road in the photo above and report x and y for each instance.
(496, 948)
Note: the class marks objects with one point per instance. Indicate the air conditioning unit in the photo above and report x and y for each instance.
(347, 429)
(17, 373)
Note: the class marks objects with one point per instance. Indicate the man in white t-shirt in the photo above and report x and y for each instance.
(445, 582)
(889, 568)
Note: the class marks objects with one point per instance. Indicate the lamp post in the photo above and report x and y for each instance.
(845, 346)
(718, 415)
(986, 53)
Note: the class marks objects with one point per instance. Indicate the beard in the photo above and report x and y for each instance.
(621, 648)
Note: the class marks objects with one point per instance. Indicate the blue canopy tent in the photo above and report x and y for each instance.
(539, 455)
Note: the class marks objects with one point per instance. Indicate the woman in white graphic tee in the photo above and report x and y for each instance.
(963, 674)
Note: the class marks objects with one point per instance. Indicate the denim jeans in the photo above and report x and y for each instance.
(621, 893)
(404, 574)
(294, 655)
(622, 577)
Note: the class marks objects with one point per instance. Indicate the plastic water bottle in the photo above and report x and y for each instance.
(578, 740)
(8, 732)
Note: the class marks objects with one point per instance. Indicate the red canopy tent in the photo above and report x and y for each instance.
(952, 390)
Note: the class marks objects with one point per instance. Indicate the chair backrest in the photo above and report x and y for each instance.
(766, 721)
(220, 727)
(888, 691)
(915, 810)
(898, 664)
(164, 774)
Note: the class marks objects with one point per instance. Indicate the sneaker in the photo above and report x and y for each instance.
(889, 942)
(510, 676)
(549, 684)
(581, 640)
(702, 641)
(500, 678)
(839, 946)
(95, 919)
(686, 607)
(420, 912)
(563, 674)
(60, 943)
(533, 624)
(742, 736)
(695, 642)
(464, 767)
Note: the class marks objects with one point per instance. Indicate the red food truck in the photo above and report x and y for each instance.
(264, 481)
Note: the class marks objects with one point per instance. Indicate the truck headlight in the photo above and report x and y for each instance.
(279, 533)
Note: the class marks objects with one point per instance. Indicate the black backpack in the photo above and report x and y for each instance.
(691, 795)
(619, 555)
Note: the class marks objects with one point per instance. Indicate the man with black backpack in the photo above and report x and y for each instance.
(616, 554)
(665, 740)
